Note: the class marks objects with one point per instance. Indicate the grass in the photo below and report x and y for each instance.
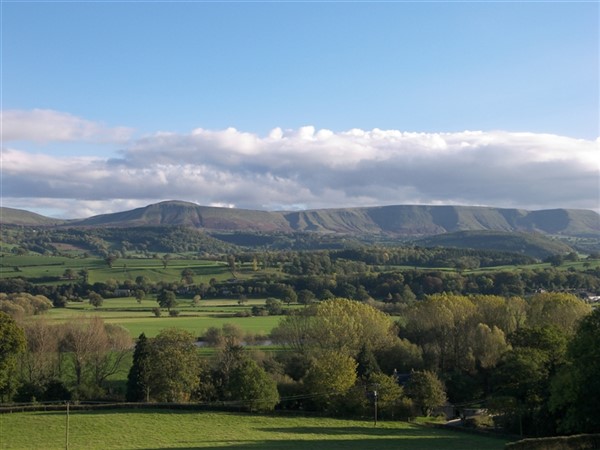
(36, 266)
(138, 318)
(157, 429)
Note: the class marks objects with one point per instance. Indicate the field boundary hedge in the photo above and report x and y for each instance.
(576, 442)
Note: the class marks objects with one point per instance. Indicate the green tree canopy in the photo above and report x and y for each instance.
(576, 389)
(167, 299)
(12, 344)
(250, 384)
(559, 309)
(330, 374)
(347, 326)
(174, 366)
(138, 379)
(426, 390)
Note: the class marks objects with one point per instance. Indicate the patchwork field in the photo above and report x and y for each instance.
(158, 429)
(138, 318)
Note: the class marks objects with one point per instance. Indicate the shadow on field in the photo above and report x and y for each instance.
(421, 443)
(340, 431)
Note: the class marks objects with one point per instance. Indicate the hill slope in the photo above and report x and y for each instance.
(11, 216)
(396, 220)
(531, 244)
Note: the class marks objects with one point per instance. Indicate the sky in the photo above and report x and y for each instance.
(109, 105)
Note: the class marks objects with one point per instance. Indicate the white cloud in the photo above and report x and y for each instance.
(318, 169)
(45, 125)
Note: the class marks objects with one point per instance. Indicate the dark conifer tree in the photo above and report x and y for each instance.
(138, 388)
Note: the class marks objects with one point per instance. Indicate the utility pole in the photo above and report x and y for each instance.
(375, 406)
(67, 429)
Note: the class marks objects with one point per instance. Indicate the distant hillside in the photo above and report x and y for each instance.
(21, 217)
(535, 245)
(191, 215)
(398, 220)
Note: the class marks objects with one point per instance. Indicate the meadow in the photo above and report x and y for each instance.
(39, 266)
(138, 318)
(162, 429)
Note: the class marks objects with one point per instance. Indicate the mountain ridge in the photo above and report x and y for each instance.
(393, 220)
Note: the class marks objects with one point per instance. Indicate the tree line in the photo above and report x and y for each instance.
(532, 361)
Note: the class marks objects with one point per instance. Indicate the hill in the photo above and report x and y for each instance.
(11, 216)
(399, 220)
(408, 221)
(532, 244)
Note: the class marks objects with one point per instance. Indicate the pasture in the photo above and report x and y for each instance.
(138, 318)
(163, 429)
(38, 267)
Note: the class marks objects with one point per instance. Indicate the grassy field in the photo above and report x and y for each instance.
(157, 429)
(36, 266)
(138, 318)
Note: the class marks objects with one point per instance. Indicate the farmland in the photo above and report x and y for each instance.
(325, 326)
(138, 318)
(142, 429)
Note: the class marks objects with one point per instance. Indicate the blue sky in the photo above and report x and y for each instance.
(106, 80)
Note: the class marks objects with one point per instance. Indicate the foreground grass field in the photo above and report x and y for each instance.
(157, 429)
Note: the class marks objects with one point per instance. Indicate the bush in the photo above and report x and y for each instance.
(259, 311)
(578, 442)
(174, 313)
(157, 312)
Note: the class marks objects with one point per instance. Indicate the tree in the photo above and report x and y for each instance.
(391, 400)
(174, 366)
(426, 391)
(12, 345)
(330, 374)
(286, 293)
(96, 350)
(443, 325)
(347, 326)
(20, 304)
(367, 364)
(187, 276)
(165, 260)
(138, 379)
(110, 259)
(306, 297)
(196, 300)
(85, 275)
(490, 344)
(558, 309)
(520, 384)
(274, 306)
(231, 263)
(139, 295)
(95, 300)
(69, 274)
(167, 299)
(39, 364)
(576, 389)
(251, 385)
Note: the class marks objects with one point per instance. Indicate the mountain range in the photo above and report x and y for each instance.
(409, 221)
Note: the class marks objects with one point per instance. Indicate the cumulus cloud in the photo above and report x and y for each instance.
(45, 125)
(310, 168)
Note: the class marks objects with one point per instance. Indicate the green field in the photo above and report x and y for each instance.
(156, 429)
(36, 266)
(138, 318)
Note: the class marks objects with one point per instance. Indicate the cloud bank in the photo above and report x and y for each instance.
(297, 169)
(45, 125)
